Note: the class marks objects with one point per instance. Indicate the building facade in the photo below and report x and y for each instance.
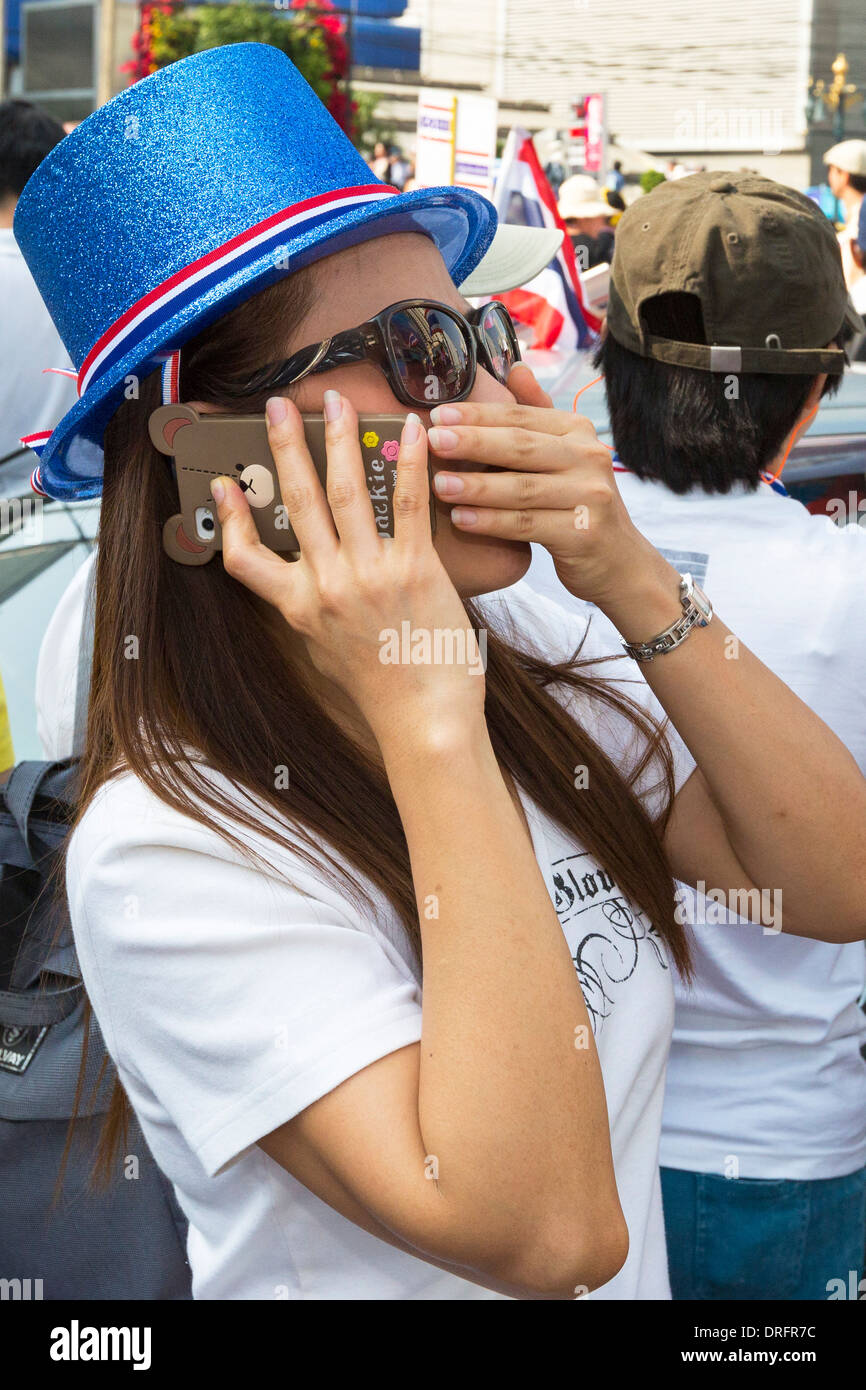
(726, 85)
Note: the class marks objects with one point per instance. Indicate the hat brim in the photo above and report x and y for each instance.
(460, 223)
(516, 255)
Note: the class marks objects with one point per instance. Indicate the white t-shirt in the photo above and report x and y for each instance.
(858, 299)
(765, 1064)
(29, 400)
(57, 666)
(231, 999)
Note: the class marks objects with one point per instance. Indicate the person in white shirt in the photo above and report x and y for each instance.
(858, 291)
(159, 904)
(301, 1036)
(764, 1136)
(29, 341)
(380, 943)
(846, 175)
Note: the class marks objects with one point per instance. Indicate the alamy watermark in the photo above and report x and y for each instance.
(438, 646)
(21, 1290)
(22, 516)
(77, 1343)
(847, 511)
(714, 907)
(851, 1289)
(707, 127)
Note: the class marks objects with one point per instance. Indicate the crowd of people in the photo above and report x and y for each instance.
(392, 166)
(590, 210)
(425, 984)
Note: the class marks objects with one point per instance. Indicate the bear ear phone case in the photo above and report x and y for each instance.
(204, 447)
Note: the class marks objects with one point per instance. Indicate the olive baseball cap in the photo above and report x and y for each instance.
(763, 261)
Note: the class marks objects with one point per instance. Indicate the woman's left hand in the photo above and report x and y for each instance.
(557, 488)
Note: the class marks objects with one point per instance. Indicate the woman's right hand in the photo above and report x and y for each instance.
(351, 592)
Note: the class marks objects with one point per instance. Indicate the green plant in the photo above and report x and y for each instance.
(650, 178)
(308, 31)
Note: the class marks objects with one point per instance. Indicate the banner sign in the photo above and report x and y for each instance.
(475, 150)
(456, 142)
(593, 159)
(437, 138)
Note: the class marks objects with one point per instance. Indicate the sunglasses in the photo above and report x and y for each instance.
(428, 352)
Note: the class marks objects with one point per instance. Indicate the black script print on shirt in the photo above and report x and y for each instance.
(604, 930)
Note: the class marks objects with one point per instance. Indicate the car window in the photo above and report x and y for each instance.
(42, 544)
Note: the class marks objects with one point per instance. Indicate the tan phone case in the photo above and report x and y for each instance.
(207, 446)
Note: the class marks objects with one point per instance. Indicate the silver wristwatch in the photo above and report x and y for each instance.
(697, 612)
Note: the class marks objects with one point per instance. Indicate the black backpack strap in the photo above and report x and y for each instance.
(38, 1007)
(24, 782)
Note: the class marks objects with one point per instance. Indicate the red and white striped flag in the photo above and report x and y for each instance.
(552, 303)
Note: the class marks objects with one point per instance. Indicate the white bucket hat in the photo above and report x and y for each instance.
(849, 155)
(580, 196)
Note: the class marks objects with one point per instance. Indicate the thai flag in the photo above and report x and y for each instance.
(553, 303)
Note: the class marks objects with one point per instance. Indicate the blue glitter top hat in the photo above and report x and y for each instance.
(181, 197)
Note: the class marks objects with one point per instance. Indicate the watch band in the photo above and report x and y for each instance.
(697, 612)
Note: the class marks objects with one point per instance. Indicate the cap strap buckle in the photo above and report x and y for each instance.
(726, 359)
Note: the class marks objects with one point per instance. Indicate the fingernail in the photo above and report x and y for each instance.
(333, 405)
(463, 516)
(446, 415)
(443, 440)
(217, 489)
(412, 429)
(448, 484)
(275, 409)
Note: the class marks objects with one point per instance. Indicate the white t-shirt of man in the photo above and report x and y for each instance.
(57, 666)
(231, 999)
(766, 1077)
(30, 400)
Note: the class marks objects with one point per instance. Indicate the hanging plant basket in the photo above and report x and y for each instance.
(308, 31)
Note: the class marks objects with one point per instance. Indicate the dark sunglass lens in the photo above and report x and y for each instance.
(431, 353)
(500, 340)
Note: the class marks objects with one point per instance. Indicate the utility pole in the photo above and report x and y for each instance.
(838, 97)
(105, 75)
(350, 47)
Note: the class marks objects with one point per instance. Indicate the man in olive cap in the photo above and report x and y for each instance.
(727, 323)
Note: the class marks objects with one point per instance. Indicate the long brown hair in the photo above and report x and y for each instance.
(208, 667)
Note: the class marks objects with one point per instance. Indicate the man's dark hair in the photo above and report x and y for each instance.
(27, 133)
(857, 182)
(677, 425)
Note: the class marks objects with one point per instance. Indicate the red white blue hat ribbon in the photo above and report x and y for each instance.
(160, 303)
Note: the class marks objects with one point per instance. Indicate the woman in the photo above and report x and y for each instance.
(380, 164)
(282, 834)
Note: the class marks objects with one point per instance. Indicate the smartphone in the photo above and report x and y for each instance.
(208, 446)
